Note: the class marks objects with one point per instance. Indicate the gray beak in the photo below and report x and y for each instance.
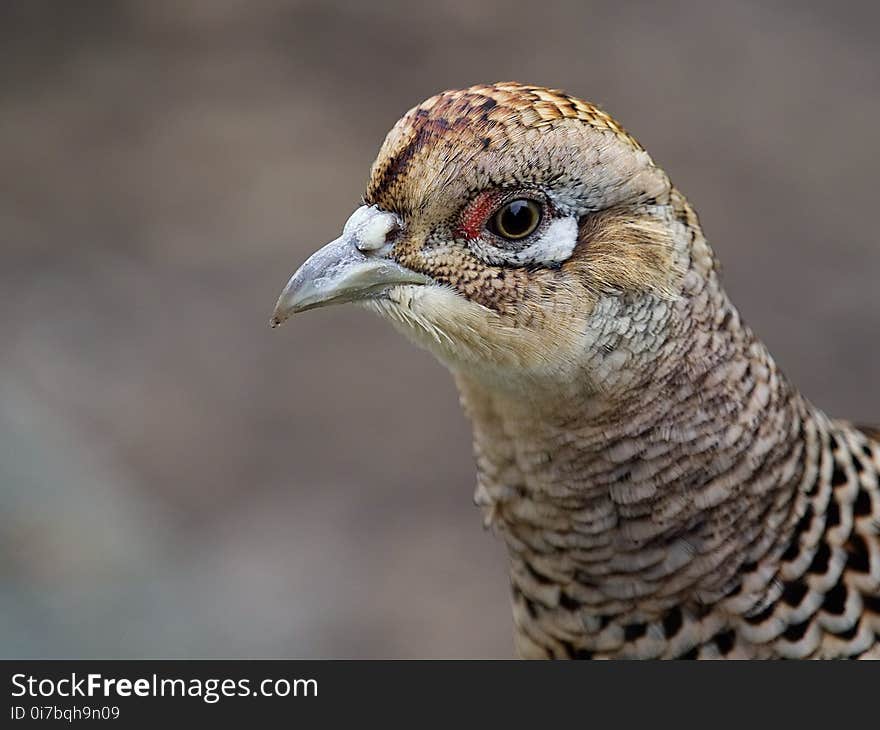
(349, 269)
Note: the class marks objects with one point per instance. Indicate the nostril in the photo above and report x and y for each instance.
(377, 231)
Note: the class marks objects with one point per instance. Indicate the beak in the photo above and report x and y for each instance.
(341, 272)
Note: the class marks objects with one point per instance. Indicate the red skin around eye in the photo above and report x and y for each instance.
(476, 213)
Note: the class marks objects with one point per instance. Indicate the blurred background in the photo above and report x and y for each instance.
(179, 480)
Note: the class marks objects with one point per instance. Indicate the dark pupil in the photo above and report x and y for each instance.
(517, 218)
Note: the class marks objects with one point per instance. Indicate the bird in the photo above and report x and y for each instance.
(662, 489)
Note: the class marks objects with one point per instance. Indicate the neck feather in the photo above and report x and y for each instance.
(629, 500)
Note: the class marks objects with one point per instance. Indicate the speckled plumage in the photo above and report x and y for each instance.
(663, 490)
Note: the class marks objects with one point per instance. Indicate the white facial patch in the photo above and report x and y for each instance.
(370, 227)
(554, 246)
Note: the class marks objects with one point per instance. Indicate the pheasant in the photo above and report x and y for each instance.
(662, 488)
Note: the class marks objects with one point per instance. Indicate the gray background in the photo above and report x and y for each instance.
(177, 479)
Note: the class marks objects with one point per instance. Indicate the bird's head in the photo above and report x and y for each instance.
(513, 231)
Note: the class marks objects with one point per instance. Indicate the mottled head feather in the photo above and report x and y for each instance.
(506, 134)
(444, 167)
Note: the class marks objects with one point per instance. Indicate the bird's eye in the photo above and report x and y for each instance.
(516, 219)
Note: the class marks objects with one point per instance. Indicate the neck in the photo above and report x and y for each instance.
(625, 502)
